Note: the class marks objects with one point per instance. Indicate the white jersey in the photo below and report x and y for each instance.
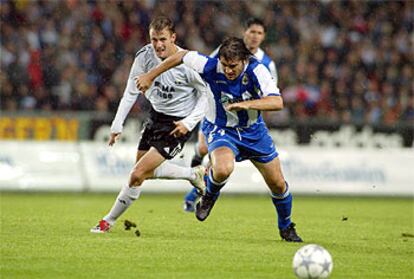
(179, 91)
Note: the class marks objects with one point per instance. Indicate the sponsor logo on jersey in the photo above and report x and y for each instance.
(163, 91)
(245, 79)
(228, 100)
(164, 88)
(221, 81)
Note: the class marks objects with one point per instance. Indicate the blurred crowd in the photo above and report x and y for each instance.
(349, 61)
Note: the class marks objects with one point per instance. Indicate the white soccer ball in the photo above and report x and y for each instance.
(312, 261)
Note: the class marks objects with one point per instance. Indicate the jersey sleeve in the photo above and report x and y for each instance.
(200, 63)
(265, 82)
(138, 67)
(130, 93)
(273, 71)
(200, 107)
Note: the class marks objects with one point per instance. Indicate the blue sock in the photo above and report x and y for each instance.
(283, 204)
(214, 187)
(191, 196)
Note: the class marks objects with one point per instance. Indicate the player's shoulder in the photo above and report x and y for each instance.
(265, 58)
(253, 64)
(201, 63)
(190, 73)
(183, 68)
(256, 68)
(144, 51)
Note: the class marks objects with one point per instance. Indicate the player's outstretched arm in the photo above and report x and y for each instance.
(270, 98)
(129, 97)
(265, 103)
(144, 81)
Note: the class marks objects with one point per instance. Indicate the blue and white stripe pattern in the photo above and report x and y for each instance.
(254, 82)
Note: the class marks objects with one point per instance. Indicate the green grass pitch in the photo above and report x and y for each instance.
(47, 236)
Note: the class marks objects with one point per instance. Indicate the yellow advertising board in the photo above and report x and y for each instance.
(39, 128)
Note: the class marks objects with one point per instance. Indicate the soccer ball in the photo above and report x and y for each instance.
(312, 261)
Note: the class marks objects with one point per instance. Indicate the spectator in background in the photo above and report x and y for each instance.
(326, 45)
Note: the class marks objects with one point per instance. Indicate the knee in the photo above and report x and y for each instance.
(202, 148)
(222, 171)
(137, 177)
(278, 186)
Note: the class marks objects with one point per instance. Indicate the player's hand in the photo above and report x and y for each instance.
(237, 106)
(113, 138)
(143, 82)
(179, 130)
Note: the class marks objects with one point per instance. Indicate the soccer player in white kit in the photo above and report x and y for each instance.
(254, 35)
(177, 100)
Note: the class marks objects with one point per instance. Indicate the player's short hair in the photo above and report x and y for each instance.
(254, 21)
(233, 48)
(161, 22)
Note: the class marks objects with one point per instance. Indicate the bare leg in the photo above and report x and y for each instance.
(144, 167)
(200, 150)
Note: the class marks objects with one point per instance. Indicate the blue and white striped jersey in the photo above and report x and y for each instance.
(254, 82)
(267, 61)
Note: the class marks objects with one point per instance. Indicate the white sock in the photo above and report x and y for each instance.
(169, 170)
(124, 199)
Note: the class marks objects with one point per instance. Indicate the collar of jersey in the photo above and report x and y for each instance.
(240, 76)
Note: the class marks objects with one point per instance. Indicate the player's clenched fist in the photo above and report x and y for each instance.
(179, 130)
(143, 82)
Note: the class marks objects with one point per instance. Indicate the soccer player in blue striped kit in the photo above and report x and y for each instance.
(253, 36)
(240, 87)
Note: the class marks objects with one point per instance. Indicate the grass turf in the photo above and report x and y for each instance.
(47, 236)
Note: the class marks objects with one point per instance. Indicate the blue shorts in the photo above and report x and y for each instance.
(252, 143)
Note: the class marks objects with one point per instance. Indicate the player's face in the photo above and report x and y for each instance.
(163, 42)
(254, 36)
(232, 68)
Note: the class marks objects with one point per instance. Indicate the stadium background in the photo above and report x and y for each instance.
(344, 67)
(338, 62)
(346, 75)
